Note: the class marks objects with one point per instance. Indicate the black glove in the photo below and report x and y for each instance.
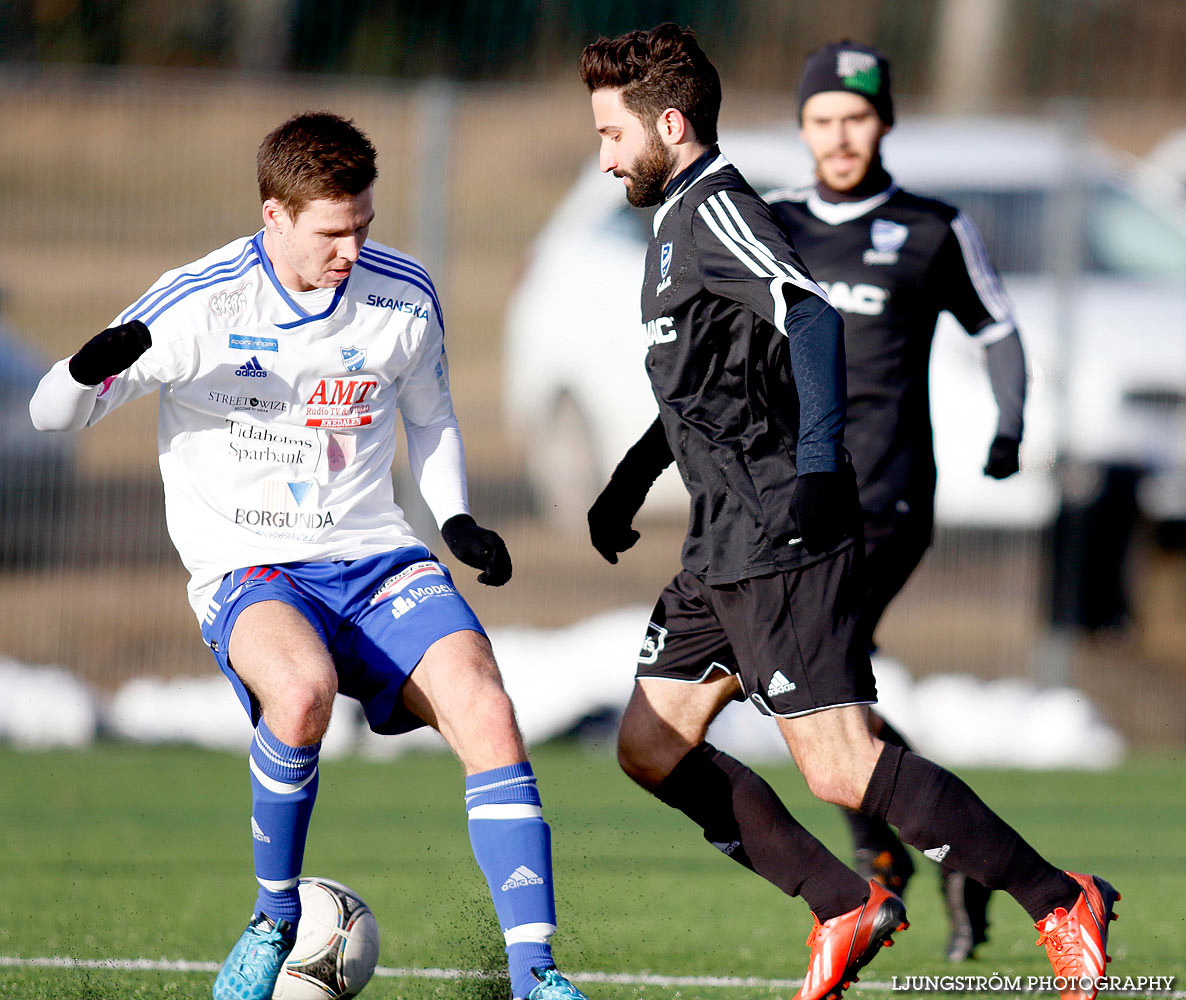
(108, 353)
(825, 505)
(1003, 459)
(611, 514)
(478, 547)
(623, 496)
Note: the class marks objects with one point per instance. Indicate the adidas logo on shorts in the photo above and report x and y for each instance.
(779, 684)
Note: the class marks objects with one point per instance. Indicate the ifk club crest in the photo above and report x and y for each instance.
(353, 358)
(887, 238)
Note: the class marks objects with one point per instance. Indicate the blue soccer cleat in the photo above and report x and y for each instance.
(251, 969)
(553, 986)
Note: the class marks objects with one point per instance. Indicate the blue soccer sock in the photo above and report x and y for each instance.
(512, 845)
(283, 789)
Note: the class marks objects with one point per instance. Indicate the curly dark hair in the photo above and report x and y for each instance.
(656, 70)
(311, 156)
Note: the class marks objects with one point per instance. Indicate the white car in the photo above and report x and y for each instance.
(1102, 317)
(1168, 158)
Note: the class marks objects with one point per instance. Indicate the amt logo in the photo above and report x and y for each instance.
(340, 392)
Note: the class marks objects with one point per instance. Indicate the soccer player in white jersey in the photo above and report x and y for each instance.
(281, 361)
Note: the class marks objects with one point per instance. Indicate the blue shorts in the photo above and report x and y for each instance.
(377, 616)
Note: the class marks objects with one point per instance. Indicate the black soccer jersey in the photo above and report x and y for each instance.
(890, 264)
(746, 361)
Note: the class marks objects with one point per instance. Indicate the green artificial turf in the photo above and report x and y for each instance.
(124, 852)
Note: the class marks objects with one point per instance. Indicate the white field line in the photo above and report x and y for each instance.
(613, 978)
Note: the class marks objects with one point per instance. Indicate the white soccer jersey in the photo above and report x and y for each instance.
(277, 409)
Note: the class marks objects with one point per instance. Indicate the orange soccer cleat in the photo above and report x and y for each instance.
(1077, 941)
(843, 945)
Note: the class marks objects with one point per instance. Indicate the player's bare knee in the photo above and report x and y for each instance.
(494, 714)
(483, 732)
(300, 714)
(640, 770)
(633, 753)
(645, 757)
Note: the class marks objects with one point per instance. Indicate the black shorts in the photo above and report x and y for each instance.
(788, 637)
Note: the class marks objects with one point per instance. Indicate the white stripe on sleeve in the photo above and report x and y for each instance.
(731, 244)
(751, 240)
(730, 228)
(980, 270)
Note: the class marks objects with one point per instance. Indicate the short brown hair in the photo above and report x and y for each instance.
(314, 155)
(656, 70)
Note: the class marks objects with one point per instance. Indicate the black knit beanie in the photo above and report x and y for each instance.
(849, 66)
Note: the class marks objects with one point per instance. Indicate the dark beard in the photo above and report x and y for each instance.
(650, 173)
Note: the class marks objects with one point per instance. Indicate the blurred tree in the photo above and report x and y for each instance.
(321, 33)
(181, 35)
(963, 52)
(74, 31)
(467, 40)
(970, 52)
(17, 35)
(102, 24)
(263, 31)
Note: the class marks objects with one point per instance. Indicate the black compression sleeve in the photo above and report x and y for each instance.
(815, 333)
(647, 457)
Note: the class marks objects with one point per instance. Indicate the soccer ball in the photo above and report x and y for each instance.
(337, 945)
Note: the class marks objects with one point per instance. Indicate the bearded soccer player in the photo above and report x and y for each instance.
(746, 360)
(912, 258)
(281, 361)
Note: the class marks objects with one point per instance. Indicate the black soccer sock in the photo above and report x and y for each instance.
(742, 817)
(869, 833)
(940, 815)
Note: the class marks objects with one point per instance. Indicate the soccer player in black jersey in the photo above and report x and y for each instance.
(746, 360)
(892, 261)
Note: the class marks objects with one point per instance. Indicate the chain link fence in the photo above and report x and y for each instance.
(110, 175)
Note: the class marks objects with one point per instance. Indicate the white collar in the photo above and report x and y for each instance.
(835, 213)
